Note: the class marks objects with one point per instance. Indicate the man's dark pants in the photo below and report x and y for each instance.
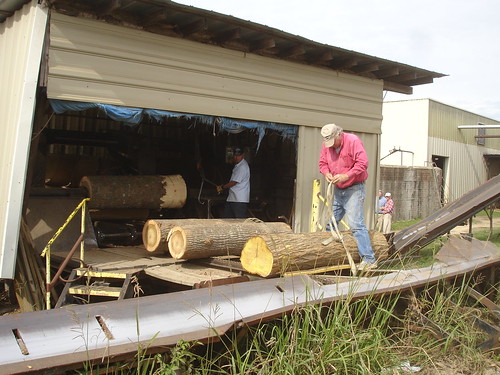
(235, 210)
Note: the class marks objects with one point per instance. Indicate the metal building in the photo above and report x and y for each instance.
(465, 145)
(203, 69)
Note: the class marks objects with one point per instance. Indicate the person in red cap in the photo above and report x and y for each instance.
(343, 162)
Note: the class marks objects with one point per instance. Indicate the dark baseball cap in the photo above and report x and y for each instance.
(238, 151)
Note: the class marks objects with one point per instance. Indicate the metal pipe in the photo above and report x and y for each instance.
(399, 150)
(65, 262)
(479, 126)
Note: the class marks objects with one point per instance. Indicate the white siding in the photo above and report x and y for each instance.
(21, 40)
(466, 165)
(92, 61)
(405, 127)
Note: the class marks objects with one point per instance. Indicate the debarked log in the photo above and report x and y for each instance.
(155, 231)
(274, 254)
(152, 192)
(203, 241)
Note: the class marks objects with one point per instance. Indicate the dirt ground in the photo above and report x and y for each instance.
(479, 223)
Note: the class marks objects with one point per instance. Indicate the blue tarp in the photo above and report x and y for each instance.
(134, 116)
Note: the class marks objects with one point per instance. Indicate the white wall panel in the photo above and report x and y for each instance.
(21, 40)
(466, 169)
(92, 61)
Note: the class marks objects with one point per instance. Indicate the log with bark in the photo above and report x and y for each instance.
(203, 241)
(274, 254)
(155, 231)
(152, 192)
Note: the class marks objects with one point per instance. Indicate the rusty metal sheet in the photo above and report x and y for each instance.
(457, 250)
(76, 333)
(448, 217)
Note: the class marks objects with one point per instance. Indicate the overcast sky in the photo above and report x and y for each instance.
(460, 38)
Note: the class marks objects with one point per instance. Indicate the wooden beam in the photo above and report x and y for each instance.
(155, 18)
(396, 87)
(388, 72)
(193, 27)
(108, 7)
(405, 77)
(364, 68)
(419, 81)
(263, 44)
(345, 63)
(228, 35)
(293, 51)
(320, 58)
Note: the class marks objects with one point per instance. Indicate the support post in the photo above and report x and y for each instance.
(82, 232)
(315, 206)
(47, 277)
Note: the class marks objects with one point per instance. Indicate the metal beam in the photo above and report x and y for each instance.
(448, 217)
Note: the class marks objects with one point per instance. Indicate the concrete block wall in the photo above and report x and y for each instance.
(416, 191)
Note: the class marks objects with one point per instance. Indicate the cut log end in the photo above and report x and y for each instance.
(257, 258)
(151, 235)
(274, 254)
(177, 242)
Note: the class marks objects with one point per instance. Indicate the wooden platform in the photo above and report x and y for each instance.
(132, 259)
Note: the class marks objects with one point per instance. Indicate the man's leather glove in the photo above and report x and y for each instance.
(219, 189)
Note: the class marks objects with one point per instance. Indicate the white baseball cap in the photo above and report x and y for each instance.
(329, 132)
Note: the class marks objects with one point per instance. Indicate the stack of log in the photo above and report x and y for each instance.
(266, 249)
(203, 238)
(155, 232)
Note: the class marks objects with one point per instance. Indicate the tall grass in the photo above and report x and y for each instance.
(432, 328)
(371, 335)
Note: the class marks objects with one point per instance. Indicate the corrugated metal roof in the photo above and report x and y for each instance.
(168, 18)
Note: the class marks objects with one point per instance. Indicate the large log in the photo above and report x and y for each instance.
(203, 241)
(155, 232)
(274, 254)
(152, 192)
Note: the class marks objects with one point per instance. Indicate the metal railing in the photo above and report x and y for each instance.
(46, 251)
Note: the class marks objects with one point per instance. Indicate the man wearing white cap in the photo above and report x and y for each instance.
(343, 161)
(387, 211)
